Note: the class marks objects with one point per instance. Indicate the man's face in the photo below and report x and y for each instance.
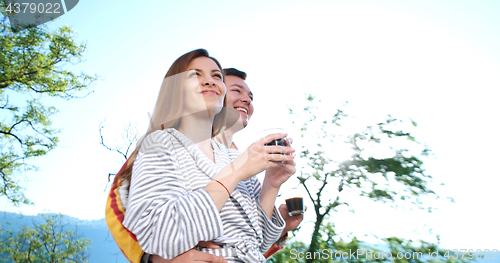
(239, 97)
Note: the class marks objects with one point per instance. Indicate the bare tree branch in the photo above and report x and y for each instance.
(130, 137)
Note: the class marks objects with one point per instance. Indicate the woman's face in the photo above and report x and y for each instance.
(239, 97)
(203, 87)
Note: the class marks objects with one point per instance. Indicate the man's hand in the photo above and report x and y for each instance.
(291, 222)
(192, 256)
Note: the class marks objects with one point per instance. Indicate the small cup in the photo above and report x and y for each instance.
(279, 142)
(295, 206)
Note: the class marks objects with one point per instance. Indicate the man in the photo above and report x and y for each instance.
(240, 108)
(240, 98)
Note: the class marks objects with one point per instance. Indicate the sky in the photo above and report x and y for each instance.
(436, 62)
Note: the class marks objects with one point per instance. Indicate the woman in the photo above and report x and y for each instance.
(238, 97)
(187, 188)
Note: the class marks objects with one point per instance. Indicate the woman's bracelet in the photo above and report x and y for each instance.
(229, 194)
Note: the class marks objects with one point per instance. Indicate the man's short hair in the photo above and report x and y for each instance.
(235, 72)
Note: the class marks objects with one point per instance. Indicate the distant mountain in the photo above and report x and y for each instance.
(104, 247)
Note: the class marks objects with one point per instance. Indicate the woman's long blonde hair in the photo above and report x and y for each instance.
(168, 109)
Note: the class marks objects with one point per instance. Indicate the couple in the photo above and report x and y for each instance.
(180, 187)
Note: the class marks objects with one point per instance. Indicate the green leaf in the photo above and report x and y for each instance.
(35, 63)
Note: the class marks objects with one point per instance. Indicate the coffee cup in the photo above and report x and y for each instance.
(295, 206)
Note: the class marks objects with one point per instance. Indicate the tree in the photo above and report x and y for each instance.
(49, 242)
(386, 165)
(33, 66)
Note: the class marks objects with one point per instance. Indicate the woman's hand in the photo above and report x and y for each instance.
(259, 157)
(254, 160)
(192, 256)
(277, 175)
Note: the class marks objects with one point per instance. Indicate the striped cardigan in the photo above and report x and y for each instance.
(169, 210)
